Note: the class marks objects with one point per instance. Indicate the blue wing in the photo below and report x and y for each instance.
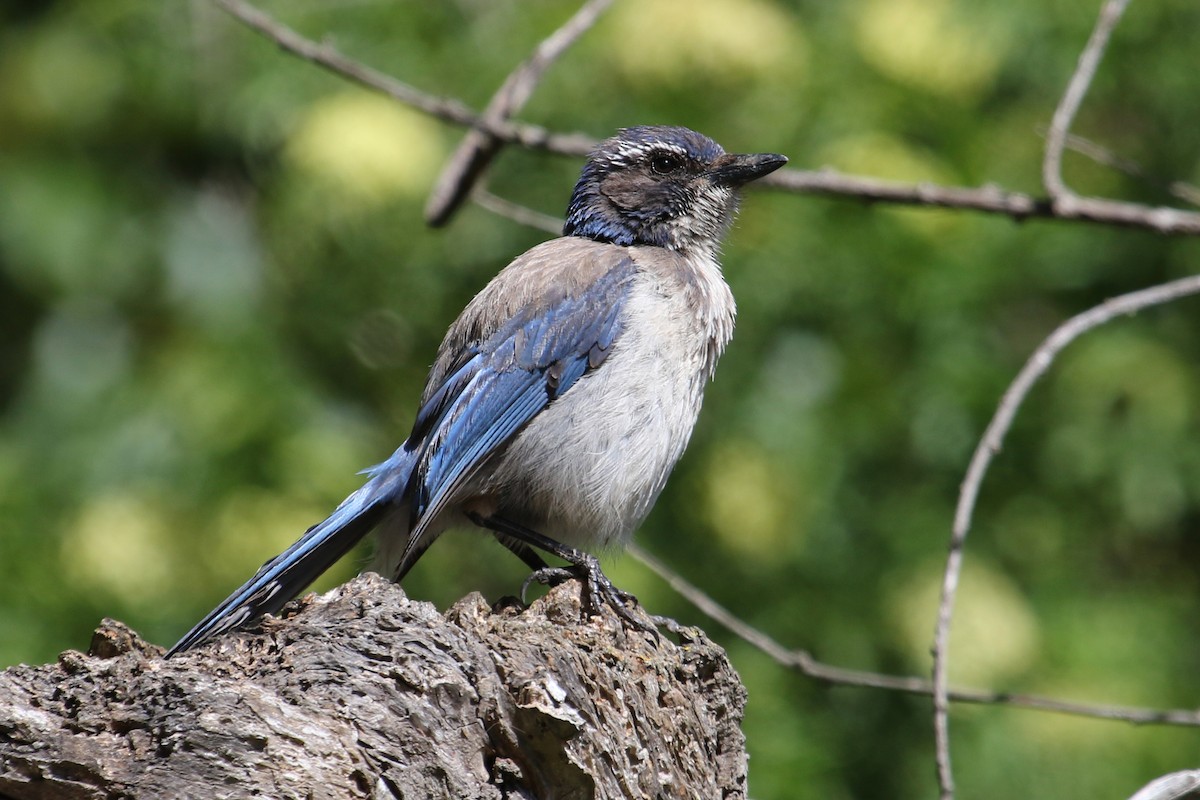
(497, 383)
(501, 383)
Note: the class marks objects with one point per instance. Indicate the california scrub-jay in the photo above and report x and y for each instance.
(565, 392)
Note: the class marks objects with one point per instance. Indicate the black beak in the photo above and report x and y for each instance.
(738, 169)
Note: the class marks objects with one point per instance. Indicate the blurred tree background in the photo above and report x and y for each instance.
(218, 302)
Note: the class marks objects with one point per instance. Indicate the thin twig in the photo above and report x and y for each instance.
(1068, 105)
(1062, 199)
(517, 213)
(987, 199)
(443, 108)
(989, 446)
(479, 147)
(801, 661)
(1103, 156)
(1100, 154)
(1170, 787)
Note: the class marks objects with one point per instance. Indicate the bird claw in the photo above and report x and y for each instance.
(599, 590)
(546, 576)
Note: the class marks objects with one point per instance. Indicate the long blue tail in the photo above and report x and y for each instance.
(287, 574)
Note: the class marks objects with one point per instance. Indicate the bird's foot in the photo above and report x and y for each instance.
(546, 576)
(599, 589)
(584, 566)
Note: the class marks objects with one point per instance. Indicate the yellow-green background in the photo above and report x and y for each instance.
(218, 302)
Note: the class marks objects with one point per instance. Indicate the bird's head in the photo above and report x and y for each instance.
(662, 186)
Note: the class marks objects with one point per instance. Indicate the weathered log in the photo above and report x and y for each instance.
(363, 693)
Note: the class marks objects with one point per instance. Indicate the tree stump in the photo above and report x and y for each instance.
(363, 693)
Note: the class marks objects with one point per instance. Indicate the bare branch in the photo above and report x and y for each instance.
(1062, 200)
(1105, 157)
(802, 662)
(479, 148)
(1170, 787)
(517, 213)
(1068, 106)
(989, 446)
(987, 199)
(446, 109)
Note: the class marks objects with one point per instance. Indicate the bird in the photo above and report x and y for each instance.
(564, 394)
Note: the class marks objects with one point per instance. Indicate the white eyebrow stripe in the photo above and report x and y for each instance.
(633, 151)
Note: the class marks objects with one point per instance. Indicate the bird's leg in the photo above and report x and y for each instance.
(520, 550)
(542, 572)
(528, 555)
(598, 585)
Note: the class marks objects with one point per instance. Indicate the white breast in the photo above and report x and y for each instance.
(588, 469)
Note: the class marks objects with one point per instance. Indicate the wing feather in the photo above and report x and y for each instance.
(502, 382)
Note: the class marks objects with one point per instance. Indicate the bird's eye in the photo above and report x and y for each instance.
(665, 164)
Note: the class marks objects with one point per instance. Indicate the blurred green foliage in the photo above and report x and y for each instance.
(218, 302)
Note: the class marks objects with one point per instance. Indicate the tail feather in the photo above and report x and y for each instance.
(287, 574)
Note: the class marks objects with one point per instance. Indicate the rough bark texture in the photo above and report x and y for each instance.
(362, 693)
